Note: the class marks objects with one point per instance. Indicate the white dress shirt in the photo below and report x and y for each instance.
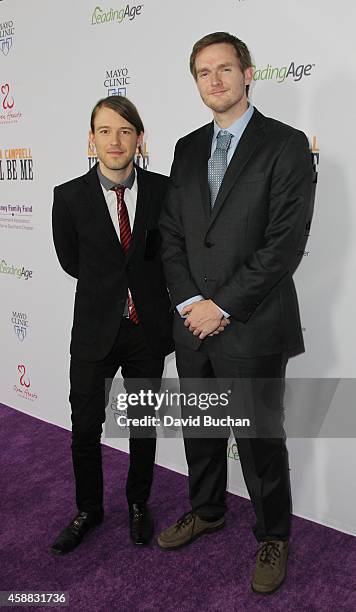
(130, 197)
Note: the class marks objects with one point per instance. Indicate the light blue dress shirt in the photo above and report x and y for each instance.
(236, 129)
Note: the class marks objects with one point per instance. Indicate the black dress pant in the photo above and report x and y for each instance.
(264, 460)
(88, 401)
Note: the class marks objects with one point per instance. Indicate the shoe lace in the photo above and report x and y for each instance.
(78, 521)
(268, 553)
(137, 513)
(184, 520)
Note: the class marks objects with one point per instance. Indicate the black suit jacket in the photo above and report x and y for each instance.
(242, 254)
(88, 249)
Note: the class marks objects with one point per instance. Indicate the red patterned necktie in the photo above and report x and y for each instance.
(125, 239)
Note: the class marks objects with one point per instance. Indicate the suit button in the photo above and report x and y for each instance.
(209, 244)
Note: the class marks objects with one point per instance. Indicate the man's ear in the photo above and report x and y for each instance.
(140, 139)
(248, 75)
(92, 142)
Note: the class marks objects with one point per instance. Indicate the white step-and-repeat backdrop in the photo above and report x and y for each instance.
(56, 60)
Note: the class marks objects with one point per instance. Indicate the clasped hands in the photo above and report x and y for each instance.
(204, 318)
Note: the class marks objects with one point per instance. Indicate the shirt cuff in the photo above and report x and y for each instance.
(226, 314)
(195, 298)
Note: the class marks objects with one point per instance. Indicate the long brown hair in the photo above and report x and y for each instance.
(122, 106)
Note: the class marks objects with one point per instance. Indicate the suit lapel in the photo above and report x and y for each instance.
(203, 154)
(142, 208)
(96, 197)
(249, 142)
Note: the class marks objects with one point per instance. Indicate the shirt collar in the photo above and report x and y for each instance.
(109, 184)
(236, 128)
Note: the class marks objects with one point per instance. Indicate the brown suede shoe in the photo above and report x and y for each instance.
(271, 565)
(187, 529)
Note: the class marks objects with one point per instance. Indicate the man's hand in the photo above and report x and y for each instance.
(223, 323)
(204, 318)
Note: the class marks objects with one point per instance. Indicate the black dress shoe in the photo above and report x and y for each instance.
(141, 524)
(73, 534)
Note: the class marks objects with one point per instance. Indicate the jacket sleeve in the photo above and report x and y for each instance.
(65, 236)
(285, 234)
(174, 256)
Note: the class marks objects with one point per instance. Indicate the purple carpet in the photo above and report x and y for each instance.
(107, 573)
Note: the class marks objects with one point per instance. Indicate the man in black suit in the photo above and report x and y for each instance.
(105, 230)
(233, 231)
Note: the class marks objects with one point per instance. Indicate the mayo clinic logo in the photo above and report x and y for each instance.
(21, 323)
(282, 73)
(116, 81)
(7, 32)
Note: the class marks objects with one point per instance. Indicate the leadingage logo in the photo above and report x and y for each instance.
(296, 72)
(14, 270)
(128, 12)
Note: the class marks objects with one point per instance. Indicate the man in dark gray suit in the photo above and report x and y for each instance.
(233, 233)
